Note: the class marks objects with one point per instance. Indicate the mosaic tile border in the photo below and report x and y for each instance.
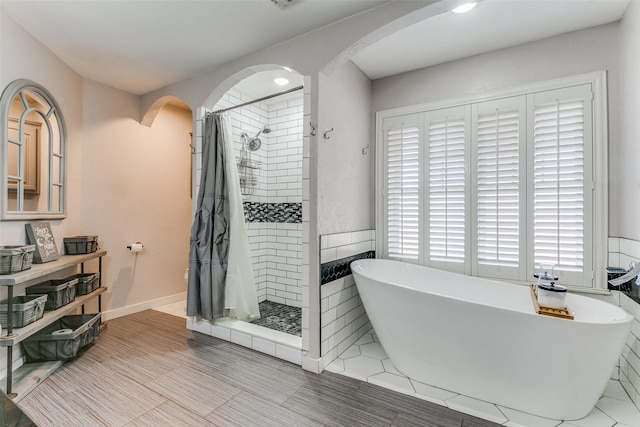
(273, 212)
(334, 270)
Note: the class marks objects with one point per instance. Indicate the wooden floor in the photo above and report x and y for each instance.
(147, 370)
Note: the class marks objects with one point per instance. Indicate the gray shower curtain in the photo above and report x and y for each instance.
(209, 245)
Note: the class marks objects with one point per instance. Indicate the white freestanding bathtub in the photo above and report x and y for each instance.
(483, 339)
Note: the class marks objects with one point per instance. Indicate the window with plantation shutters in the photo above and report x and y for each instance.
(402, 190)
(495, 187)
(446, 147)
(561, 180)
(498, 137)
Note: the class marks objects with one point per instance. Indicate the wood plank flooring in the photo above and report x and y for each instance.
(147, 369)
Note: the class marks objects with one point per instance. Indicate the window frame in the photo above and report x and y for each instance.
(598, 157)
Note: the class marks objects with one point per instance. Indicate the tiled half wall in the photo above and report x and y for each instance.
(621, 253)
(342, 317)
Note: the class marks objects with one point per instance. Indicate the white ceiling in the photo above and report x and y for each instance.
(142, 45)
(491, 25)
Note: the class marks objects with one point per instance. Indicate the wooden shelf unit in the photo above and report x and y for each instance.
(29, 375)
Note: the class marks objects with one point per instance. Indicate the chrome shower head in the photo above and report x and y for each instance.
(265, 129)
(254, 143)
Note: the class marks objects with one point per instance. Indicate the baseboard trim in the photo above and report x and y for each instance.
(135, 308)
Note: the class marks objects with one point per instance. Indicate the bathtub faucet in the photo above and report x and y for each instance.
(632, 274)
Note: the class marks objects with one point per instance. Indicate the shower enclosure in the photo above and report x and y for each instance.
(268, 138)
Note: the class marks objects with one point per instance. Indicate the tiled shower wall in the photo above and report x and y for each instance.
(275, 241)
(342, 317)
(621, 253)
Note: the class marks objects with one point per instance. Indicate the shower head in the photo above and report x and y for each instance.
(254, 143)
(265, 129)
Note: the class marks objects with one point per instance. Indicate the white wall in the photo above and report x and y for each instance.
(345, 175)
(574, 53)
(624, 210)
(136, 187)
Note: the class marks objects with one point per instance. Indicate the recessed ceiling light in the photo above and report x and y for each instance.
(281, 81)
(464, 7)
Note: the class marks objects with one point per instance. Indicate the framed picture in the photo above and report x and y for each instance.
(40, 234)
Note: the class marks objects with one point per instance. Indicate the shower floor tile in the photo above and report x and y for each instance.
(362, 361)
(280, 317)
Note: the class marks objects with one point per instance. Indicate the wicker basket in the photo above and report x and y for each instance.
(16, 258)
(63, 339)
(59, 292)
(87, 282)
(25, 309)
(80, 245)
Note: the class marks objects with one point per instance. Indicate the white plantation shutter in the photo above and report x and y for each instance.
(558, 202)
(562, 183)
(403, 191)
(498, 185)
(446, 147)
(499, 151)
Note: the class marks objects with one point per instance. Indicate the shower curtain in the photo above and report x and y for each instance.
(221, 279)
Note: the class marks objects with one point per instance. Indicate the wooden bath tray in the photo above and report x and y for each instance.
(563, 313)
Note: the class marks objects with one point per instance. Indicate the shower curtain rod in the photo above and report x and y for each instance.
(264, 98)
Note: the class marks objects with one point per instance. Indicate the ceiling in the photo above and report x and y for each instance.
(142, 45)
(491, 25)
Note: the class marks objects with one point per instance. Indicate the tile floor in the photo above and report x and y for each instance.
(366, 360)
(146, 370)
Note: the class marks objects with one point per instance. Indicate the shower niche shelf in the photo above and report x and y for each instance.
(20, 382)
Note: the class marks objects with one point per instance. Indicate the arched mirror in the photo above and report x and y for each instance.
(33, 143)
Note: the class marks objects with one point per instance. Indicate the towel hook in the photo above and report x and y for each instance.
(364, 150)
(326, 134)
(313, 129)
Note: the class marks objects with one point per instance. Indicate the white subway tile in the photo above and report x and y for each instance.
(201, 325)
(338, 239)
(289, 354)
(332, 287)
(630, 248)
(328, 255)
(614, 244)
(220, 332)
(347, 251)
(264, 346)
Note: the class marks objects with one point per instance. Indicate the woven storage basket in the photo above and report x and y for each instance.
(16, 258)
(54, 343)
(80, 245)
(87, 282)
(25, 309)
(59, 292)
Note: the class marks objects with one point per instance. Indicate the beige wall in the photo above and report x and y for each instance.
(136, 188)
(23, 57)
(627, 179)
